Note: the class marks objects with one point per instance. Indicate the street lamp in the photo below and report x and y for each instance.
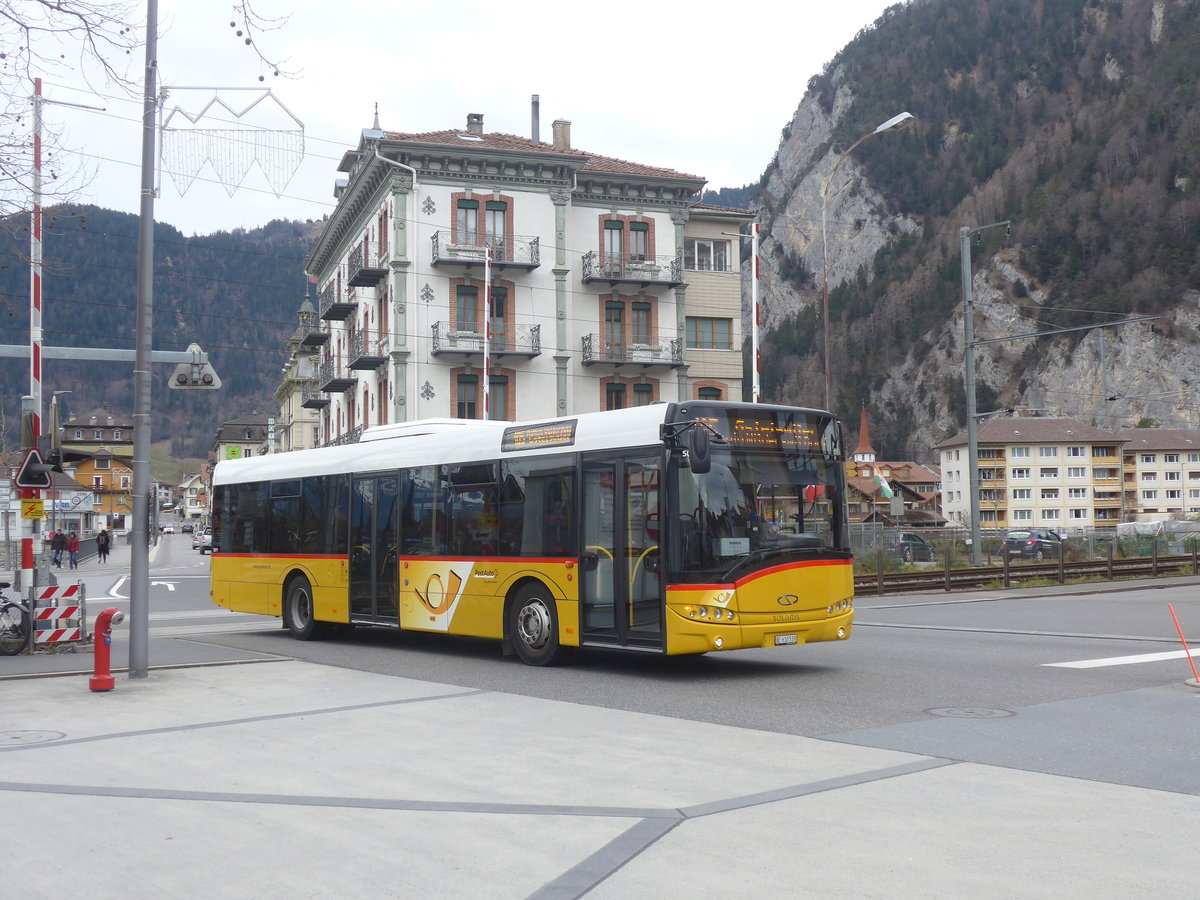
(895, 123)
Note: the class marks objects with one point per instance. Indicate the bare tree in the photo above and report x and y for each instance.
(96, 38)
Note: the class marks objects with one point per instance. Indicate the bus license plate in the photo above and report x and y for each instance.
(781, 639)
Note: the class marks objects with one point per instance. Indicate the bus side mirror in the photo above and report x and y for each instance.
(699, 453)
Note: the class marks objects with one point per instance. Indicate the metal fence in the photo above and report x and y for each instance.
(1080, 543)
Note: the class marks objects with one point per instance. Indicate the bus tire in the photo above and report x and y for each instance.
(533, 626)
(298, 610)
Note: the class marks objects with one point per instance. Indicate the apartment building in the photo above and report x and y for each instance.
(1161, 472)
(1035, 473)
(471, 274)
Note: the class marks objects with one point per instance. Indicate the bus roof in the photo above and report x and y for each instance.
(428, 442)
(432, 441)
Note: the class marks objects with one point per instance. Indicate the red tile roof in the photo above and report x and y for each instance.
(516, 143)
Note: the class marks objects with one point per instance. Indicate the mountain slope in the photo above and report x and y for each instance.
(234, 293)
(1077, 121)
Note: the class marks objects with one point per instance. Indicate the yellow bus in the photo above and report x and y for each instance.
(672, 528)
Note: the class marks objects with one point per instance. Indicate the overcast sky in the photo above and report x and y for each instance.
(701, 87)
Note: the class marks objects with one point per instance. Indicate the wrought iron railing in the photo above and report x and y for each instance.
(511, 250)
(599, 266)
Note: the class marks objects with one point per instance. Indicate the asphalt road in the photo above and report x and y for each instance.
(1086, 682)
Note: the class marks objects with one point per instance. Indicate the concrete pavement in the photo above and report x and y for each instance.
(288, 779)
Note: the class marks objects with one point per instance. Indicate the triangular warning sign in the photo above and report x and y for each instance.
(34, 472)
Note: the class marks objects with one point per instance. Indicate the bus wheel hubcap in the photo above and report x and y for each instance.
(534, 625)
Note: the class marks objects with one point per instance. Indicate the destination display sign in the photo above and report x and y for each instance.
(767, 431)
(532, 437)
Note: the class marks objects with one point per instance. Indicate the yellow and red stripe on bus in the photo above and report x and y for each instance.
(768, 608)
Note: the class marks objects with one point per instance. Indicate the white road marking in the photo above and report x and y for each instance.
(1124, 660)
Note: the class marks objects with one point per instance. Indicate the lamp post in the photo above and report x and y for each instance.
(895, 123)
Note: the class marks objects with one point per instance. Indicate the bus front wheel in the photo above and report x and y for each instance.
(298, 610)
(533, 626)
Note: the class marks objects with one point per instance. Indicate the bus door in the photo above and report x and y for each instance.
(620, 573)
(373, 519)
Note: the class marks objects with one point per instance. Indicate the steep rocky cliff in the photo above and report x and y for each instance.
(1076, 121)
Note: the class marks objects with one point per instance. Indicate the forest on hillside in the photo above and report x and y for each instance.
(1076, 119)
(235, 294)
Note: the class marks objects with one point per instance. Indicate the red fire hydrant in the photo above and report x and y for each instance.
(102, 679)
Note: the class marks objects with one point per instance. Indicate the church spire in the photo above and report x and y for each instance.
(864, 452)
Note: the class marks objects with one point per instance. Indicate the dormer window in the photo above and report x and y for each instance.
(116, 434)
(98, 434)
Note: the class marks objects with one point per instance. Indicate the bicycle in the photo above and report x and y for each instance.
(14, 624)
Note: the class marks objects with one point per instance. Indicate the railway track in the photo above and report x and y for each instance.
(1015, 574)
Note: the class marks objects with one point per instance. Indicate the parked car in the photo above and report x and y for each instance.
(168, 529)
(1033, 543)
(206, 542)
(197, 538)
(185, 528)
(912, 547)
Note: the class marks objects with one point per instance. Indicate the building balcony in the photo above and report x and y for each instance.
(312, 398)
(597, 351)
(313, 336)
(335, 305)
(366, 354)
(645, 271)
(367, 264)
(350, 437)
(334, 379)
(519, 340)
(511, 252)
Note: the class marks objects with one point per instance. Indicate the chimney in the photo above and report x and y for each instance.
(537, 111)
(562, 134)
(474, 123)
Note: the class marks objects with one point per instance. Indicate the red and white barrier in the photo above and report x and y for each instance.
(58, 619)
(54, 596)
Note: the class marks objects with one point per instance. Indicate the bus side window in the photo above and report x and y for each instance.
(537, 507)
(310, 514)
(420, 510)
(335, 529)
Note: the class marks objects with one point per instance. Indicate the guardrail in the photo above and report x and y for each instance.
(1010, 574)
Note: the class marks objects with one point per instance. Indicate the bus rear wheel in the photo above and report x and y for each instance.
(298, 610)
(533, 626)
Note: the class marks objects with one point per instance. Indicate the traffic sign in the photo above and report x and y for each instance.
(34, 472)
(32, 509)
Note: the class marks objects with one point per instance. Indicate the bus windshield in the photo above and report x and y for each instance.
(754, 508)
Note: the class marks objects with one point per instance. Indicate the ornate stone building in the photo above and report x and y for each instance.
(609, 285)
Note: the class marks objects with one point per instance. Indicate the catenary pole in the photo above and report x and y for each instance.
(139, 571)
(487, 332)
(755, 318)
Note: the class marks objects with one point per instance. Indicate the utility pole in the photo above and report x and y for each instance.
(139, 570)
(964, 234)
(755, 313)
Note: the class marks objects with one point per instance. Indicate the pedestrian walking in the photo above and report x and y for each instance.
(73, 550)
(103, 542)
(58, 544)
